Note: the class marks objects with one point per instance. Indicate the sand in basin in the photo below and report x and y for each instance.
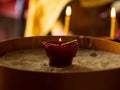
(36, 60)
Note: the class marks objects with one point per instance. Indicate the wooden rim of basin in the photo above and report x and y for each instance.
(36, 42)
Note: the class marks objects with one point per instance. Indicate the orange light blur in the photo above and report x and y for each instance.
(68, 11)
(60, 39)
(113, 13)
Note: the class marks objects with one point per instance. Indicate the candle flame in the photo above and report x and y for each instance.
(68, 10)
(60, 39)
(113, 13)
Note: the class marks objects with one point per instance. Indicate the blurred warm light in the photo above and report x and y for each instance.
(94, 3)
(60, 39)
(68, 11)
(42, 17)
(57, 30)
(113, 13)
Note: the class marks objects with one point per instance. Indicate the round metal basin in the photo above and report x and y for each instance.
(14, 79)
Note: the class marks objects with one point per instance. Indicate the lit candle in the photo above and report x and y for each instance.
(113, 23)
(61, 53)
(60, 39)
(67, 20)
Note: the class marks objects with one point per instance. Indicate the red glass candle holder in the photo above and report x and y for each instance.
(59, 53)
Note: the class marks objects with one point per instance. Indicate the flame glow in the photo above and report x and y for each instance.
(60, 39)
(113, 13)
(68, 11)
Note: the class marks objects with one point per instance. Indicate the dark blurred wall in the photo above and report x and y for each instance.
(93, 21)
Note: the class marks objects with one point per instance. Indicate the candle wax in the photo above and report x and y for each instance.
(61, 56)
(113, 25)
(67, 22)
